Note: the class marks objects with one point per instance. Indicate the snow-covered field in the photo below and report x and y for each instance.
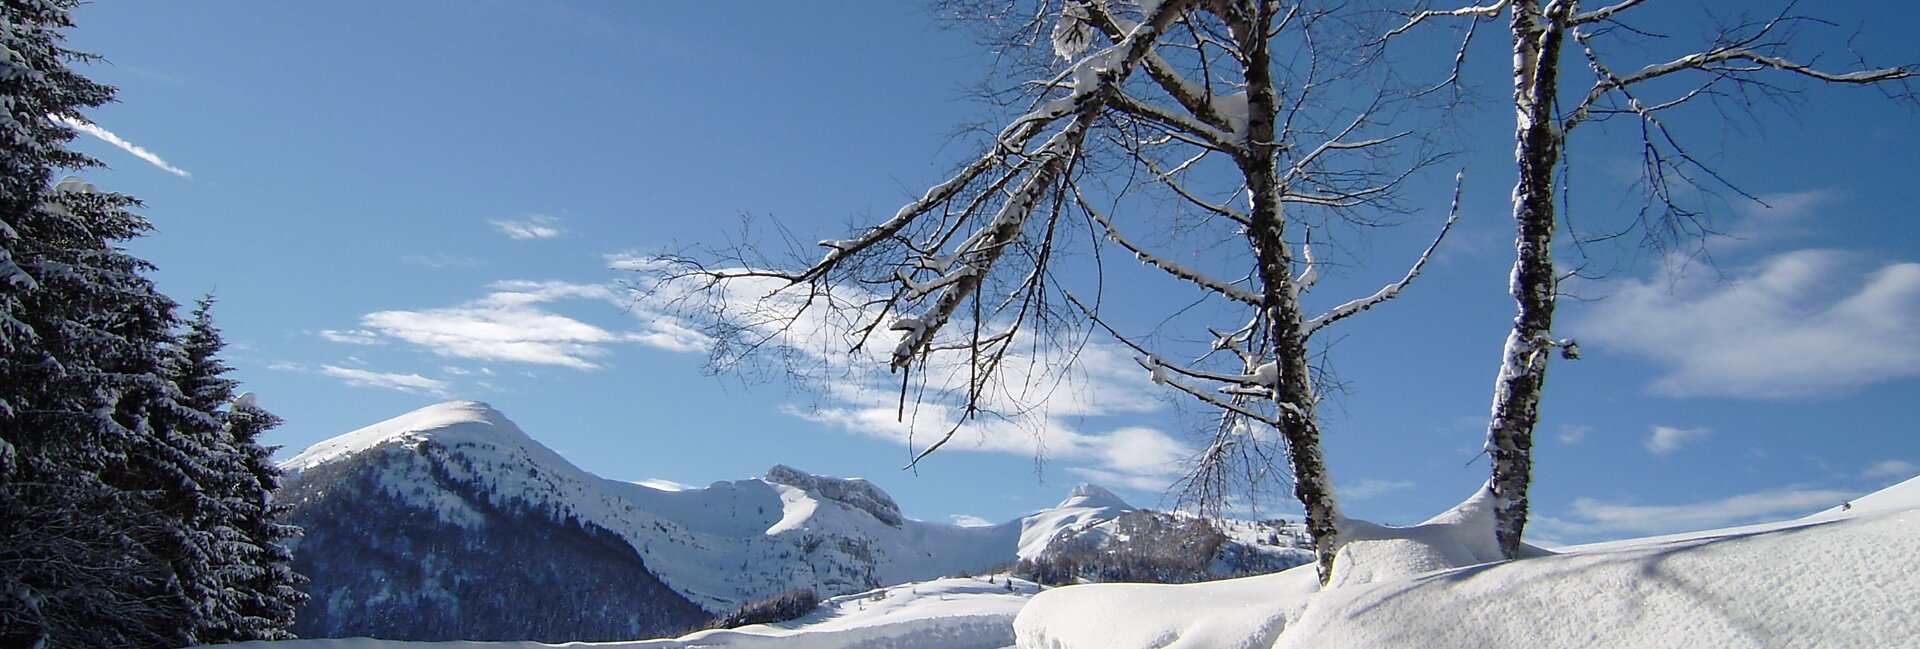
(1840, 578)
(1836, 579)
(952, 613)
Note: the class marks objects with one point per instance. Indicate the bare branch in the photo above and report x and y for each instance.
(1477, 11)
(1603, 13)
(1389, 291)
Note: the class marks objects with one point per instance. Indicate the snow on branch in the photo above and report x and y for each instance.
(1195, 98)
(1259, 382)
(1215, 400)
(1389, 291)
(1097, 81)
(1603, 13)
(1311, 273)
(1734, 61)
(1202, 134)
(839, 250)
(1476, 11)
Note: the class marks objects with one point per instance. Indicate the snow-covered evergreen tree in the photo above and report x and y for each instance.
(253, 595)
(114, 521)
(92, 548)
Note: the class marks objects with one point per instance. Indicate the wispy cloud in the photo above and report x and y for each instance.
(664, 484)
(969, 520)
(413, 383)
(1799, 324)
(1667, 439)
(352, 336)
(1775, 217)
(1593, 518)
(107, 136)
(1371, 488)
(1573, 433)
(1051, 396)
(538, 226)
(1885, 469)
(515, 324)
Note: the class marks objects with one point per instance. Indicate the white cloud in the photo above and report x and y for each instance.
(1593, 517)
(1891, 469)
(1370, 488)
(1775, 217)
(512, 324)
(1573, 434)
(1038, 402)
(403, 382)
(538, 226)
(1799, 324)
(107, 136)
(969, 520)
(352, 336)
(1667, 439)
(664, 484)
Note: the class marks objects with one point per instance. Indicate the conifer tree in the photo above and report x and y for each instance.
(117, 490)
(255, 596)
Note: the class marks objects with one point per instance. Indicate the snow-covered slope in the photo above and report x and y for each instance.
(1905, 495)
(953, 613)
(719, 546)
(1845, 580)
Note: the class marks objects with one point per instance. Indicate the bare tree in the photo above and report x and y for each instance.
(1186, 134)
(1736, 68)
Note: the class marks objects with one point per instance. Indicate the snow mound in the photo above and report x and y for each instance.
(1845, 582)
(1456, 538)
(1905, 495)
(954, 613)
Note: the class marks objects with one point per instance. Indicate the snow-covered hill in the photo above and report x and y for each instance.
(1837, 579)
(1843, 579)
(951, 613)
(464, 466)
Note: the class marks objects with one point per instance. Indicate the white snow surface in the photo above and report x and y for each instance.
(1839, 579)
(952, 613)
(720, 546)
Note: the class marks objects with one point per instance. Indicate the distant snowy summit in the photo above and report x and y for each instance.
(854, 492)
(449, 422)
(1087, 494)
(413, 521)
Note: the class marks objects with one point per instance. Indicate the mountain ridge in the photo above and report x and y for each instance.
(470, 467)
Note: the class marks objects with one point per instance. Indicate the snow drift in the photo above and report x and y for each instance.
(1828, 581)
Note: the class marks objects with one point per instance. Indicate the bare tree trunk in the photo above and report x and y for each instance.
(1281, 300)
(1516, 392)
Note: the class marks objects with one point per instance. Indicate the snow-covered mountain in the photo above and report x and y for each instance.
(467, 481)
(1841, 578)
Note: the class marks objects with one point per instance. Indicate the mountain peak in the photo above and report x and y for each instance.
(853, 492)
(1087, 494)
(466, 419)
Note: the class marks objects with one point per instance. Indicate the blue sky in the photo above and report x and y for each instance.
(399, 203)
